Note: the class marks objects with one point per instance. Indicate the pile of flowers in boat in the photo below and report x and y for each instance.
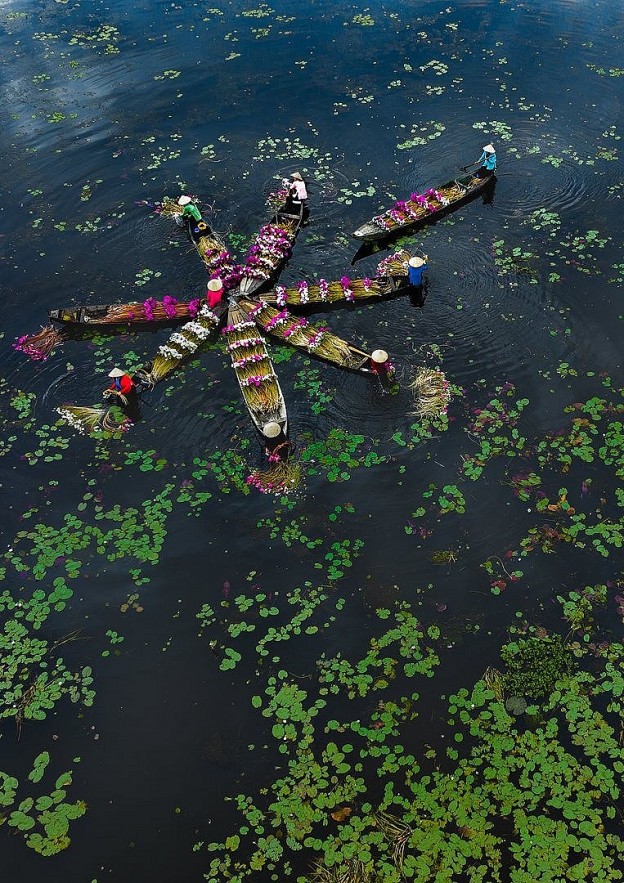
(270, 248)
(405, 211)
(314, 339)
(303, 292)
(253, 367)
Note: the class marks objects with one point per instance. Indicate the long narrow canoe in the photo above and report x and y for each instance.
(391, 278)
(150, 311)
(420, 209)
(254, 370)
(316, 340)
(209, 245)
(270, 250)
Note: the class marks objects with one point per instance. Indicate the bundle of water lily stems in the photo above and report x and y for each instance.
(396, 264)
(431, 392)
(277, 478)
(314, 339)
(253, 367)
(91, 419)
(209, 247)
(267, 252)
(181, 343)
(40, 345)
(325, 292)
(138, 312)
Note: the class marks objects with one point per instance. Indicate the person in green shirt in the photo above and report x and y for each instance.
(192, 215)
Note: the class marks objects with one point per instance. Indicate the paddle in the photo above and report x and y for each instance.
(470, 165)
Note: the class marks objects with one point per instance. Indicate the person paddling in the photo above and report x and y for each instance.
(192, 215)
(487, 162)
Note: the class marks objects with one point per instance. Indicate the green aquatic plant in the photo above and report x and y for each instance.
(44, 820)
(536, 803)
(33, 677)
(340, 453)
(533, 666)
(579, 608)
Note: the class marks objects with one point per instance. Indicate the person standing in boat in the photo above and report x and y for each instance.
(297, 194)
(192, 215)
(487, 161)
(214, 294)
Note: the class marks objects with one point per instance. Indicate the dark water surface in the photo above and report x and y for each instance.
(97, 125)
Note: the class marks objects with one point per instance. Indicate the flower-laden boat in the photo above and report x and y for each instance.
(270, 250)
(254, 371)
(317, 340)
(421, 208)
(209, 245)
(169, 309)
(390, 278)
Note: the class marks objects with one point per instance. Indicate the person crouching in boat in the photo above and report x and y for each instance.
(277, 447)
(192, 215)
(488, 162)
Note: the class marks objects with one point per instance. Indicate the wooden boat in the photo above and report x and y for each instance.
(420, 209)
(316, 340)
(270, 249)
(254, 371)
(208, 244)
(123, 314)
(391, 278)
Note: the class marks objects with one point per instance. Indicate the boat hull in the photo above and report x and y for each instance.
(467, 188)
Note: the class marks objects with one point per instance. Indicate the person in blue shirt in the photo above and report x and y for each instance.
(488, 162)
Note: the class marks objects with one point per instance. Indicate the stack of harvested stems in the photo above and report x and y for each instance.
(314, 339)
(181, 343)
(396, 264)
(325, 292)
(94, 419)
(40, 345)
(431, 392)
(210, 249)
(138, 312)
(253, 367)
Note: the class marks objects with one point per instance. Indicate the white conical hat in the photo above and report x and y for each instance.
(489, 149)
(379, 356)
(416, 261)
(116, 372)
(297, 176)
(184, 200)
(215, 284)
(271, 429)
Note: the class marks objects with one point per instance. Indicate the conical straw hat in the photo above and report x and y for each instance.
(379, 356)
(489, 149)
(416, 262)
(184, 200)
(271, 429)
(116, 372)
(215, 284)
